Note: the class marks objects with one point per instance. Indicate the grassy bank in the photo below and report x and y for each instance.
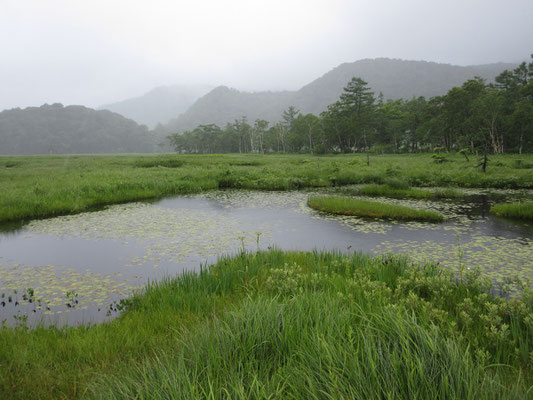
(407, 193)
(288, 325)
(41, 186)
(370, 209)
(522, 211)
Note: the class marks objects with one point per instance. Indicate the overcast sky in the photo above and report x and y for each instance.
(100, 51)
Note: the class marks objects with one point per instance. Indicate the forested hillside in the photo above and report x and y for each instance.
(475, 117)
(394, 78)
(55, 129)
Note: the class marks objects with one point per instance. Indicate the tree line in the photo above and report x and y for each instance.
(475, 117)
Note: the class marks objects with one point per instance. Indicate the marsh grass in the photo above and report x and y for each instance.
(522, 211)
(166, 163)
(270, 348)
(409, 193)
(42, 186)
(370, 209)
(288, 325)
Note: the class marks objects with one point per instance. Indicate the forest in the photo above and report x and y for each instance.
(477, 117)
(56, 129)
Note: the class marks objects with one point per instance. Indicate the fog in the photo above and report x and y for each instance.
(96, 52)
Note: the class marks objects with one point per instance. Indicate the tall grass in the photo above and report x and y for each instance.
(288, 325)
(514, 210)
(299, 349)
(41, 186)
(409, 193)
(370, 209)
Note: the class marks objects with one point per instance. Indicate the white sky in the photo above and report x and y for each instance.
(100, 51)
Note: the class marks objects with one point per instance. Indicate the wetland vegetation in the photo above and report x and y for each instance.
(43, 186)
(259, 325)
(514, 210)
(370, 209)
(406, 192)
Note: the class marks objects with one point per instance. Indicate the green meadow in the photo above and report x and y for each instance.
(42, 186)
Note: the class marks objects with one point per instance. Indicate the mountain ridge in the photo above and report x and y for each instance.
(395, 78)
(73, 129)
(158, 105)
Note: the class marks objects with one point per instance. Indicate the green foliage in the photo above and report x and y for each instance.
(396, 183)
(319, 149)
(514, 210)
(391, 192)
(438, 157)
(518, 164)
(370, 209)
(438, 150)
(288, 325)
(465, 152)
(159, 162)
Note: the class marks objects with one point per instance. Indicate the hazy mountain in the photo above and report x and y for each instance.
(160, 104)
(223, 105)
(54, 129)
(394, 78)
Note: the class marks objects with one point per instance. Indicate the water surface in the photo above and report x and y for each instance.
(72, 269)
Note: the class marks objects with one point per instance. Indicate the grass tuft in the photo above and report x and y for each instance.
(370, 209)
(522, 211)
(409, 193)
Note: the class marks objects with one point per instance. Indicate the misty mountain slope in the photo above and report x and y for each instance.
(55, 129)
(394, 78)
(159, 105)
(223, 105)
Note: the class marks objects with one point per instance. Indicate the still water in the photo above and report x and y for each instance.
(71, 269)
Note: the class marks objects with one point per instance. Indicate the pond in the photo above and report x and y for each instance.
(74, 269)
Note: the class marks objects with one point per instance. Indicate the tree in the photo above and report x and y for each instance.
(305, 129)
(486, 120)
(242, 130)
(288, 117)
(258, 131)
(357, 103)
(521, 122)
